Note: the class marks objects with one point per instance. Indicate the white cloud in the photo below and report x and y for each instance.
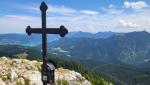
(79, 20)
(127, 24)
(135, 5)
(89, 12)
(17, 23)
(51, 9)
(86, 23)
(134, 22)
(112, 10)
(60, 9)
(111, 6)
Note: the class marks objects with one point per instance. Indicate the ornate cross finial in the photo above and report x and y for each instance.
(43, 6)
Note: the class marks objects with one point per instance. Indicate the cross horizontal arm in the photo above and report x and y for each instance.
(30, 30)
(62, 31)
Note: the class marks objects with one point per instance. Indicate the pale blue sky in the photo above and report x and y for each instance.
(77, 15)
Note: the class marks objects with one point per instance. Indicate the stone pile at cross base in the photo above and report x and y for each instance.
(26, 72)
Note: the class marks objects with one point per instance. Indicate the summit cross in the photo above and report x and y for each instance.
(62, 31)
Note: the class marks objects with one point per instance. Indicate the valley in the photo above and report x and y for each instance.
(122, 58)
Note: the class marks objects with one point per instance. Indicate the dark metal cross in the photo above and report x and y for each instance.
(62, 31)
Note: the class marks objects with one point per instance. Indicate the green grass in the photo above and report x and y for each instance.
(62, 82)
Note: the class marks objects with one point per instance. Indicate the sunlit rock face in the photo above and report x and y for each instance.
(72, 77)
(26, 72)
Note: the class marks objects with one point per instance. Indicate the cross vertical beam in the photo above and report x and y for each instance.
(44, 76)
(47, 66)
(43, 9)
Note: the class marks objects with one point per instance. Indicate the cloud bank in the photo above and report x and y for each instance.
(109, 19)
(135, 5)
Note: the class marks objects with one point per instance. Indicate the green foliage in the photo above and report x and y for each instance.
(120, 74)
(62, 82)
(22, 55)
(18, 83)
(27, 81)
(12, 50)
(130, 48)
(4, 78)
(93, 77)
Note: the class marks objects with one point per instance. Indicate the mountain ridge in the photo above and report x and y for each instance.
(130, 48)
(25, 40)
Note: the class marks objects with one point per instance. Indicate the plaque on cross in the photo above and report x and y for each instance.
(62, 31)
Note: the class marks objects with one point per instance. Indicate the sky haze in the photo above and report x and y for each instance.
(76, 15)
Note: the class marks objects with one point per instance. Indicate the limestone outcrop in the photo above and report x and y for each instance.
(26, 72)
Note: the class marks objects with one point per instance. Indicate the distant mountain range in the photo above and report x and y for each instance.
(123, 58)
(130, 48)
(25, 40)
(81, 34)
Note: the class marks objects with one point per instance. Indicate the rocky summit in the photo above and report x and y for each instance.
(26, 72)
